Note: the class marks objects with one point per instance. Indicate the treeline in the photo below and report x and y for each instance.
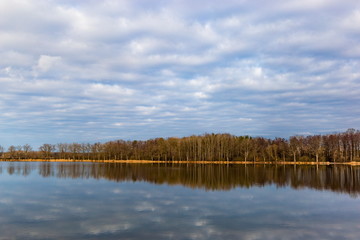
(339, 147)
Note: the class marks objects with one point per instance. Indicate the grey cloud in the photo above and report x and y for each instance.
(175, 64)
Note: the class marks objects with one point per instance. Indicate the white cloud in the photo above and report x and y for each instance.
(118, 62)
(146, 110)
(115, 92)
(200, 95)
(351, 22)
(45, 63)
(309, 4)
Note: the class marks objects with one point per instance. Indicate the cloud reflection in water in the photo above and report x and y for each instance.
(58, 207)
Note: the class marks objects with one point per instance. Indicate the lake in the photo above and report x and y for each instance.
(178, 201)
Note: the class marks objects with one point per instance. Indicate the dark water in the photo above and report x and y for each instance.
(137, 201)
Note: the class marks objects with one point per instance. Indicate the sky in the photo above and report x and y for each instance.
(95, 71)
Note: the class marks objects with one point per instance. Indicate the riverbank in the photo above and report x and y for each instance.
(182, 162)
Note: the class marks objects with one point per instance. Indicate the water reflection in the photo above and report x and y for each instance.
(337, 178)
(116, 201)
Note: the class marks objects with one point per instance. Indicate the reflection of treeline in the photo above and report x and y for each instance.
(339, 178)
(340, 147)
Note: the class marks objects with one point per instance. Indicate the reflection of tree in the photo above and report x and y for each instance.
(19, 168)
(11, 169)
(345, 179)
(46, 169)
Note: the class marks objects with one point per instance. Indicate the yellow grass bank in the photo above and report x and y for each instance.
(183, 162)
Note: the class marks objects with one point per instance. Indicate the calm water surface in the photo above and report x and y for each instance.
(138, 201)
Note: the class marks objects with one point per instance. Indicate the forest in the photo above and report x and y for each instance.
(336, 147)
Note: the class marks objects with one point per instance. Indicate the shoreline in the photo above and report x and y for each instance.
(184, 162)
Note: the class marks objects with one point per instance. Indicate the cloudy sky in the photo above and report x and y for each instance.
(90, 71)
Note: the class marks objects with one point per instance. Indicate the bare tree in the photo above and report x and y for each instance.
(63, 148)
(210, 147)
(1, 151)
(12, 151)
(27, 149)
(47, 149)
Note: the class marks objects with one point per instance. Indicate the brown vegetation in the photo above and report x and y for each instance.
(208, 148)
